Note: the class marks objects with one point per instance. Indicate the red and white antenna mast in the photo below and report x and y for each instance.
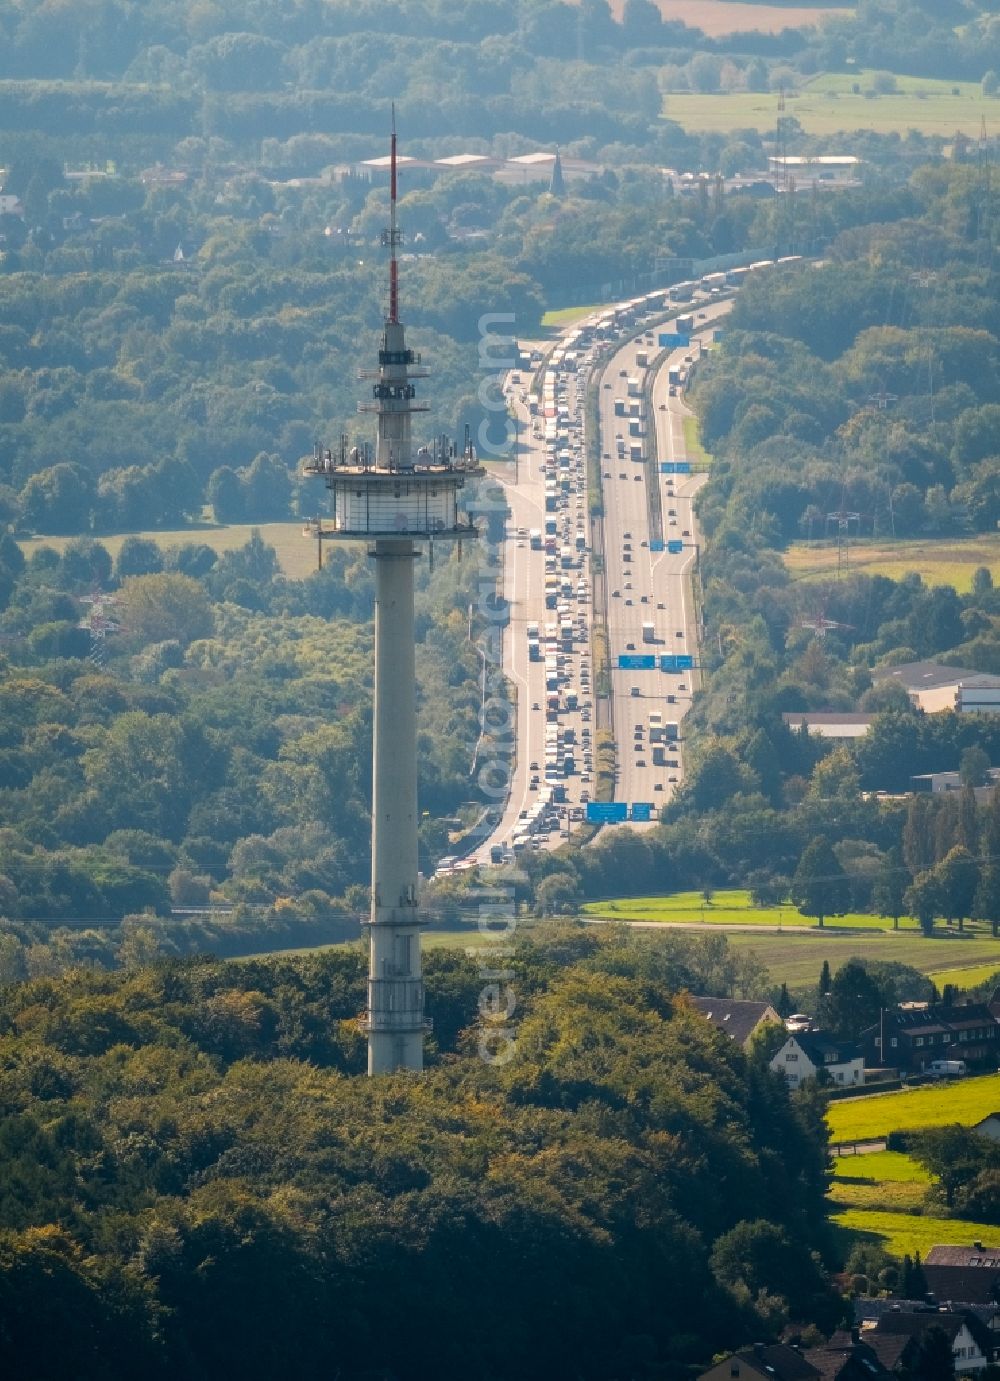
(393, 232)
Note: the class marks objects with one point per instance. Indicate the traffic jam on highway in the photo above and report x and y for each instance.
(641, 588)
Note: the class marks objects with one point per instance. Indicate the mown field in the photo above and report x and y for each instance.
(726, 907)
(934, 1105)
(967, 976)
(947, 561)
(797, 959)
(827, 105)
(883, 1196)
(901, 1233)
(296, 553)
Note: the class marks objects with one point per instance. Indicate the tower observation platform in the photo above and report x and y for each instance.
(392, 496)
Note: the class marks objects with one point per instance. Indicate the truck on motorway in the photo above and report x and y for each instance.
(684, 325)
(714, 282)
(642, 358)
(674, 374)
(635, 427)
(659, 755)
(632, 387)
(535, 539)
(635, 451)
(619, 407)
(496, 853)
(682, 292)
(648, 633)
(672, 731)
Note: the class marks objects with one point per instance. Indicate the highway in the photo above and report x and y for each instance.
(647, 586)
(547, 584)
(552, 589)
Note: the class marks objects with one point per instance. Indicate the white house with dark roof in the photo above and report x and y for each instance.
(805, 1053)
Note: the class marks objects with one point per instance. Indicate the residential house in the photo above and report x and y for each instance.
(988, 1126)
(921, 1032)
(805, 1053)
(846, 1357)
(762, 1362)
(970, 1274)
(896, 1334)
(737, 1018)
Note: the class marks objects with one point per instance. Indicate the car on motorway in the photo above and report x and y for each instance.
(644, 599)
(622, 475)
(672, 512)
(673, 522)
(671, 699)
(680, 632)
(672, 777)
(616, 594)
(681, 686)
(607, 384)
(536, 706)
(629, 647)
(628, 603)
(660, 604)
(658, 786)
(640, 763)
(638, 479)
(634, 691)
(626, 536)
(533, 766)
(607, 474)
(686, 533)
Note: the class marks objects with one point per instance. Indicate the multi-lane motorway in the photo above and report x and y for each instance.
(554, 588)
(650, 609)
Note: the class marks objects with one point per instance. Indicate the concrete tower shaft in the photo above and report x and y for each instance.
(395, 1018)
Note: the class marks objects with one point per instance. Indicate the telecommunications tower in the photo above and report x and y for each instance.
(391, 498)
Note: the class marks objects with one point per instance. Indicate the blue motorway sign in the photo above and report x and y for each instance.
(674, 338)
(607, 812)
(674, 546)
(637, 661)
(641, 810)
(656, 544)
(678, 661)
(675, 467)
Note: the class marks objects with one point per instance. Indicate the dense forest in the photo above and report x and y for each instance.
(203, 1188)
